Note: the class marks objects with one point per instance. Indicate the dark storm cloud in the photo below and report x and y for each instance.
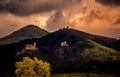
(95, 14)
(109, 2)
(57, 21)
(117, 21)
(92, 15)
(27, 7)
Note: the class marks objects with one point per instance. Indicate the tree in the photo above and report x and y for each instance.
(32, 68)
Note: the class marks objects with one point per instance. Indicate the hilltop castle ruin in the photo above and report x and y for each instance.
(31, 46)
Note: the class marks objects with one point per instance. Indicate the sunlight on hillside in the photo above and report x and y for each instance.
(81, 75)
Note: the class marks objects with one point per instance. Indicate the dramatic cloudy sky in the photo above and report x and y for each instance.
(100, 17)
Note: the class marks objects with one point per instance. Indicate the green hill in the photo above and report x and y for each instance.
(94, 51)
(82, 49)
(27, 32)
(72, 36)
(67, 50)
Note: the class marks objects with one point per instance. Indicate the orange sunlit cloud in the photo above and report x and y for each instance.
(90, 16)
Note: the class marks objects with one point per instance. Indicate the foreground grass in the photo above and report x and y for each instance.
(81, 75)
(71, 75)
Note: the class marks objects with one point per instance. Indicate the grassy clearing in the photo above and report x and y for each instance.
(81, 75)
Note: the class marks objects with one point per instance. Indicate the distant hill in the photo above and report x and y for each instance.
(67, 50)
(27, 32)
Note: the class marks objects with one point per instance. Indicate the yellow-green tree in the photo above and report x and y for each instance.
(32, 68)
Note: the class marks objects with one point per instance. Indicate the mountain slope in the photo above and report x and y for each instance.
(27, 32)
(72, 36)
(95, 51)
(82, 48)
(67, 50)
(82, 53)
